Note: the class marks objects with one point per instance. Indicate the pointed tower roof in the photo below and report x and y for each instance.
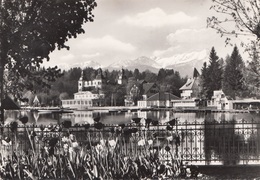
(99, 75)
(36, 100)
(82, 74)
(196, 73)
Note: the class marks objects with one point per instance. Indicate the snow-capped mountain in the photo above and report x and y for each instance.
(142, 63)
(184, 58)
(85, 64)
(93, 64)
(184, 63)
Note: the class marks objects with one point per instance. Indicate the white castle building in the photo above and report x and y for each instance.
(86, 98)
(96, 83)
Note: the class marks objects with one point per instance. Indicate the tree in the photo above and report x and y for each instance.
(204, 80)
(136, 74)
(211, 75)
(241, 18)
(214, 72)
(242, 15)
(233, 81)
(63, 96)
(32, 29)
(253, 72)
(161, 75)
(120, 95)
(149, 76)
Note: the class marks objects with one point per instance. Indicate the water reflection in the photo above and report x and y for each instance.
(125, 117)
(206, 138)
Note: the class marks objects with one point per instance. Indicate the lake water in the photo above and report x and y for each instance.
(206, 138)
(80, 117)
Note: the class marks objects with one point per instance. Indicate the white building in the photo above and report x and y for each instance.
(95, 83)
(190, 92)
(220, 101)
(160, 99)
(184, 103)
(121, 77)
(84, 99)
(191, 89)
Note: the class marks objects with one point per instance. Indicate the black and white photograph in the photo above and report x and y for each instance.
(129, 89)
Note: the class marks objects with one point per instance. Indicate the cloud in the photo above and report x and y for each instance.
(188, 40)
(67, 57)
(89, 56)
(105, 43)
(103, 50)
(157, 18)
(191, 36)
(59, 57)
(166, 52)
(194, 40)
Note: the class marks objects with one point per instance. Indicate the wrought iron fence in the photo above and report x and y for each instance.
(205, 143)
(220, 142)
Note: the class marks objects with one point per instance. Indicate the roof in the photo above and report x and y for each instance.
(188, 85)
(81, 76)
(247, 101)
(190, 82)
(99, 77)
(36, 100)
(83, 93)
(9, 104)
(163, 96)
(142, 81)
(196, 73)
(147, 87)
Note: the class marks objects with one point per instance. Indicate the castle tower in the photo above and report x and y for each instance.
(81, 82)
(99, 79)
(121, 77)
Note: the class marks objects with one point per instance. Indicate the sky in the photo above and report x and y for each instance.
(128, 29)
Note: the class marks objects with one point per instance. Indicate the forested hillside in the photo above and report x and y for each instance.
(65, 86)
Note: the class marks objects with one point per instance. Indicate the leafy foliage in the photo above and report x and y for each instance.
(253, 72)
(31, 30)
(241, 18)
(68, 84)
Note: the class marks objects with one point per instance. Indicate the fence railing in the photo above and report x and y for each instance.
(205, 143)
(223, 142)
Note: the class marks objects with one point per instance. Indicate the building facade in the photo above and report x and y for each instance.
(87, 98)
(190, 92)
(220, 101)
(83, 100)
(160, 99)
(95, 83)
(121, 79)
(191, 89)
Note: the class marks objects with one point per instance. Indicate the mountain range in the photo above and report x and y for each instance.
(184, 63)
